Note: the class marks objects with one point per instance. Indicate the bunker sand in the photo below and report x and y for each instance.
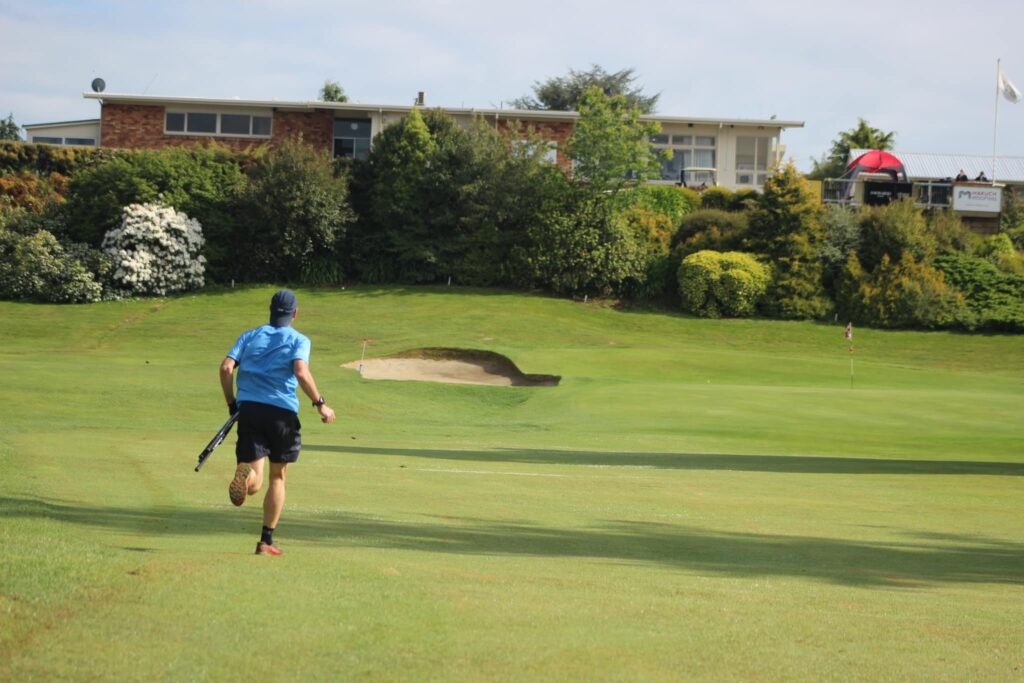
(452, 366)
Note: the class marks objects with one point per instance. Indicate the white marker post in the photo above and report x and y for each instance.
(849, 337)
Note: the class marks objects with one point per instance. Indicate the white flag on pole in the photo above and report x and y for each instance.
(1008, 89)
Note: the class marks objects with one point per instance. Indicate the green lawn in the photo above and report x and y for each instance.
(697, 500)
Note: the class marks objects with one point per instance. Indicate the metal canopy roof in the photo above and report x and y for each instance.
(926, 166)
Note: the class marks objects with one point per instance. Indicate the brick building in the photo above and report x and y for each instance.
(733, 153)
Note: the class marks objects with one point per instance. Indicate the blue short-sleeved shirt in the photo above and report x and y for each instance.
(266, 357)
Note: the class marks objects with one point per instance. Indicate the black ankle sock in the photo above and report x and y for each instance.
(267, 536)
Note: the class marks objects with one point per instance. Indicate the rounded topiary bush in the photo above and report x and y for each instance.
(713, 284)
(155, 250)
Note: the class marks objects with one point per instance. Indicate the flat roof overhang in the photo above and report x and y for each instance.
(351, 107)
(81, 122)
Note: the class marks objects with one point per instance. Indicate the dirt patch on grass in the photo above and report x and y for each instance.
(452, 366)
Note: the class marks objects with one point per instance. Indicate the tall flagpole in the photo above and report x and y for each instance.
(995, 127)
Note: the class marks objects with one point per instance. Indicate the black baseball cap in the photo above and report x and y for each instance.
(282, 307)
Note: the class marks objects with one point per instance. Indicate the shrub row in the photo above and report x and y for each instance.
(436, 201)
(16, 157)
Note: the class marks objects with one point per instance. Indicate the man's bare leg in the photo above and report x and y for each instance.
(273, 502)
(255, 480)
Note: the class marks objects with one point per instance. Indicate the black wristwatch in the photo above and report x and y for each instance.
(319, 402)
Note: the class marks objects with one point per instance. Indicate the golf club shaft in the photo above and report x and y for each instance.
(216, 440)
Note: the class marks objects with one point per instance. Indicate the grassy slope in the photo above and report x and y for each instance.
(698, 499)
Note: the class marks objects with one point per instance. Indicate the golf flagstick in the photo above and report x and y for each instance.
(361, 357)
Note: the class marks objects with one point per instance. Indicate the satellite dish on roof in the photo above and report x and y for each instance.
(98, 85)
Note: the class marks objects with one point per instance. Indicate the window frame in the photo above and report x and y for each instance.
(368, 140)
(759, 168)
(680, 143)
(219, 114)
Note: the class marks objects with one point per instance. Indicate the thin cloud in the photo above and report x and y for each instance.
(924, 70)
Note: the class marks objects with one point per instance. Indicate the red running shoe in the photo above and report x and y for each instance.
(267, 549)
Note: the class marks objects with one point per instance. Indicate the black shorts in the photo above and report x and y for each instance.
(267, 431)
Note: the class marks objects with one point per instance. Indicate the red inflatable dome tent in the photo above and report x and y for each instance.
(876, 161)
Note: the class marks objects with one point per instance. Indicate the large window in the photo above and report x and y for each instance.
(80, 142)
(217, 123)
(352, 138)
(692, 161)
(753, 159)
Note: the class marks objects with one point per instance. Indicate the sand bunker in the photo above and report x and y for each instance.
(453, 366)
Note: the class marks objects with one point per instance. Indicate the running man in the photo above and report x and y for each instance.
(272, 360)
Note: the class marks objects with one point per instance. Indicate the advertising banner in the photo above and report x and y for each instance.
(978, 199)
(879, 194)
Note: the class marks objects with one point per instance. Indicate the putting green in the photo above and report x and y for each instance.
(696, 500)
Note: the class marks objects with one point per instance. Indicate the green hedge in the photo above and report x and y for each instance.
(204, 182)
(995, 298)
(45, 159)
(713, 284)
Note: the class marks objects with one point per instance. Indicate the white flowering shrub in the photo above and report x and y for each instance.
(155, 251)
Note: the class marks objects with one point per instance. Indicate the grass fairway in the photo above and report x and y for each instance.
(697, 500)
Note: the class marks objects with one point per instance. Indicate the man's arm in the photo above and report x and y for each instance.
(227, 383)
(308, 385)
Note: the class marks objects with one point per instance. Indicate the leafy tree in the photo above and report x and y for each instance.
(332, 92)
(893, 230)
(840, 238)
(436, 199)
(564, 93)
(824, 168)
(293, 215)
(862, 136)
(899, 293)
(507, 188)
(582, 247)
(390, 242)
(786, 227)
(610, 145)
(1011, 219)
(9, 130)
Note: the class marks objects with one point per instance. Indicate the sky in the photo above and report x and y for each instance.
(925, 70)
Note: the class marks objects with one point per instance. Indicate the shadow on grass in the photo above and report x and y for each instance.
(791, 464)
(918, 561)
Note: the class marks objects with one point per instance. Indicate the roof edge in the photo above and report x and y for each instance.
(58, 123)
(309, 105)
